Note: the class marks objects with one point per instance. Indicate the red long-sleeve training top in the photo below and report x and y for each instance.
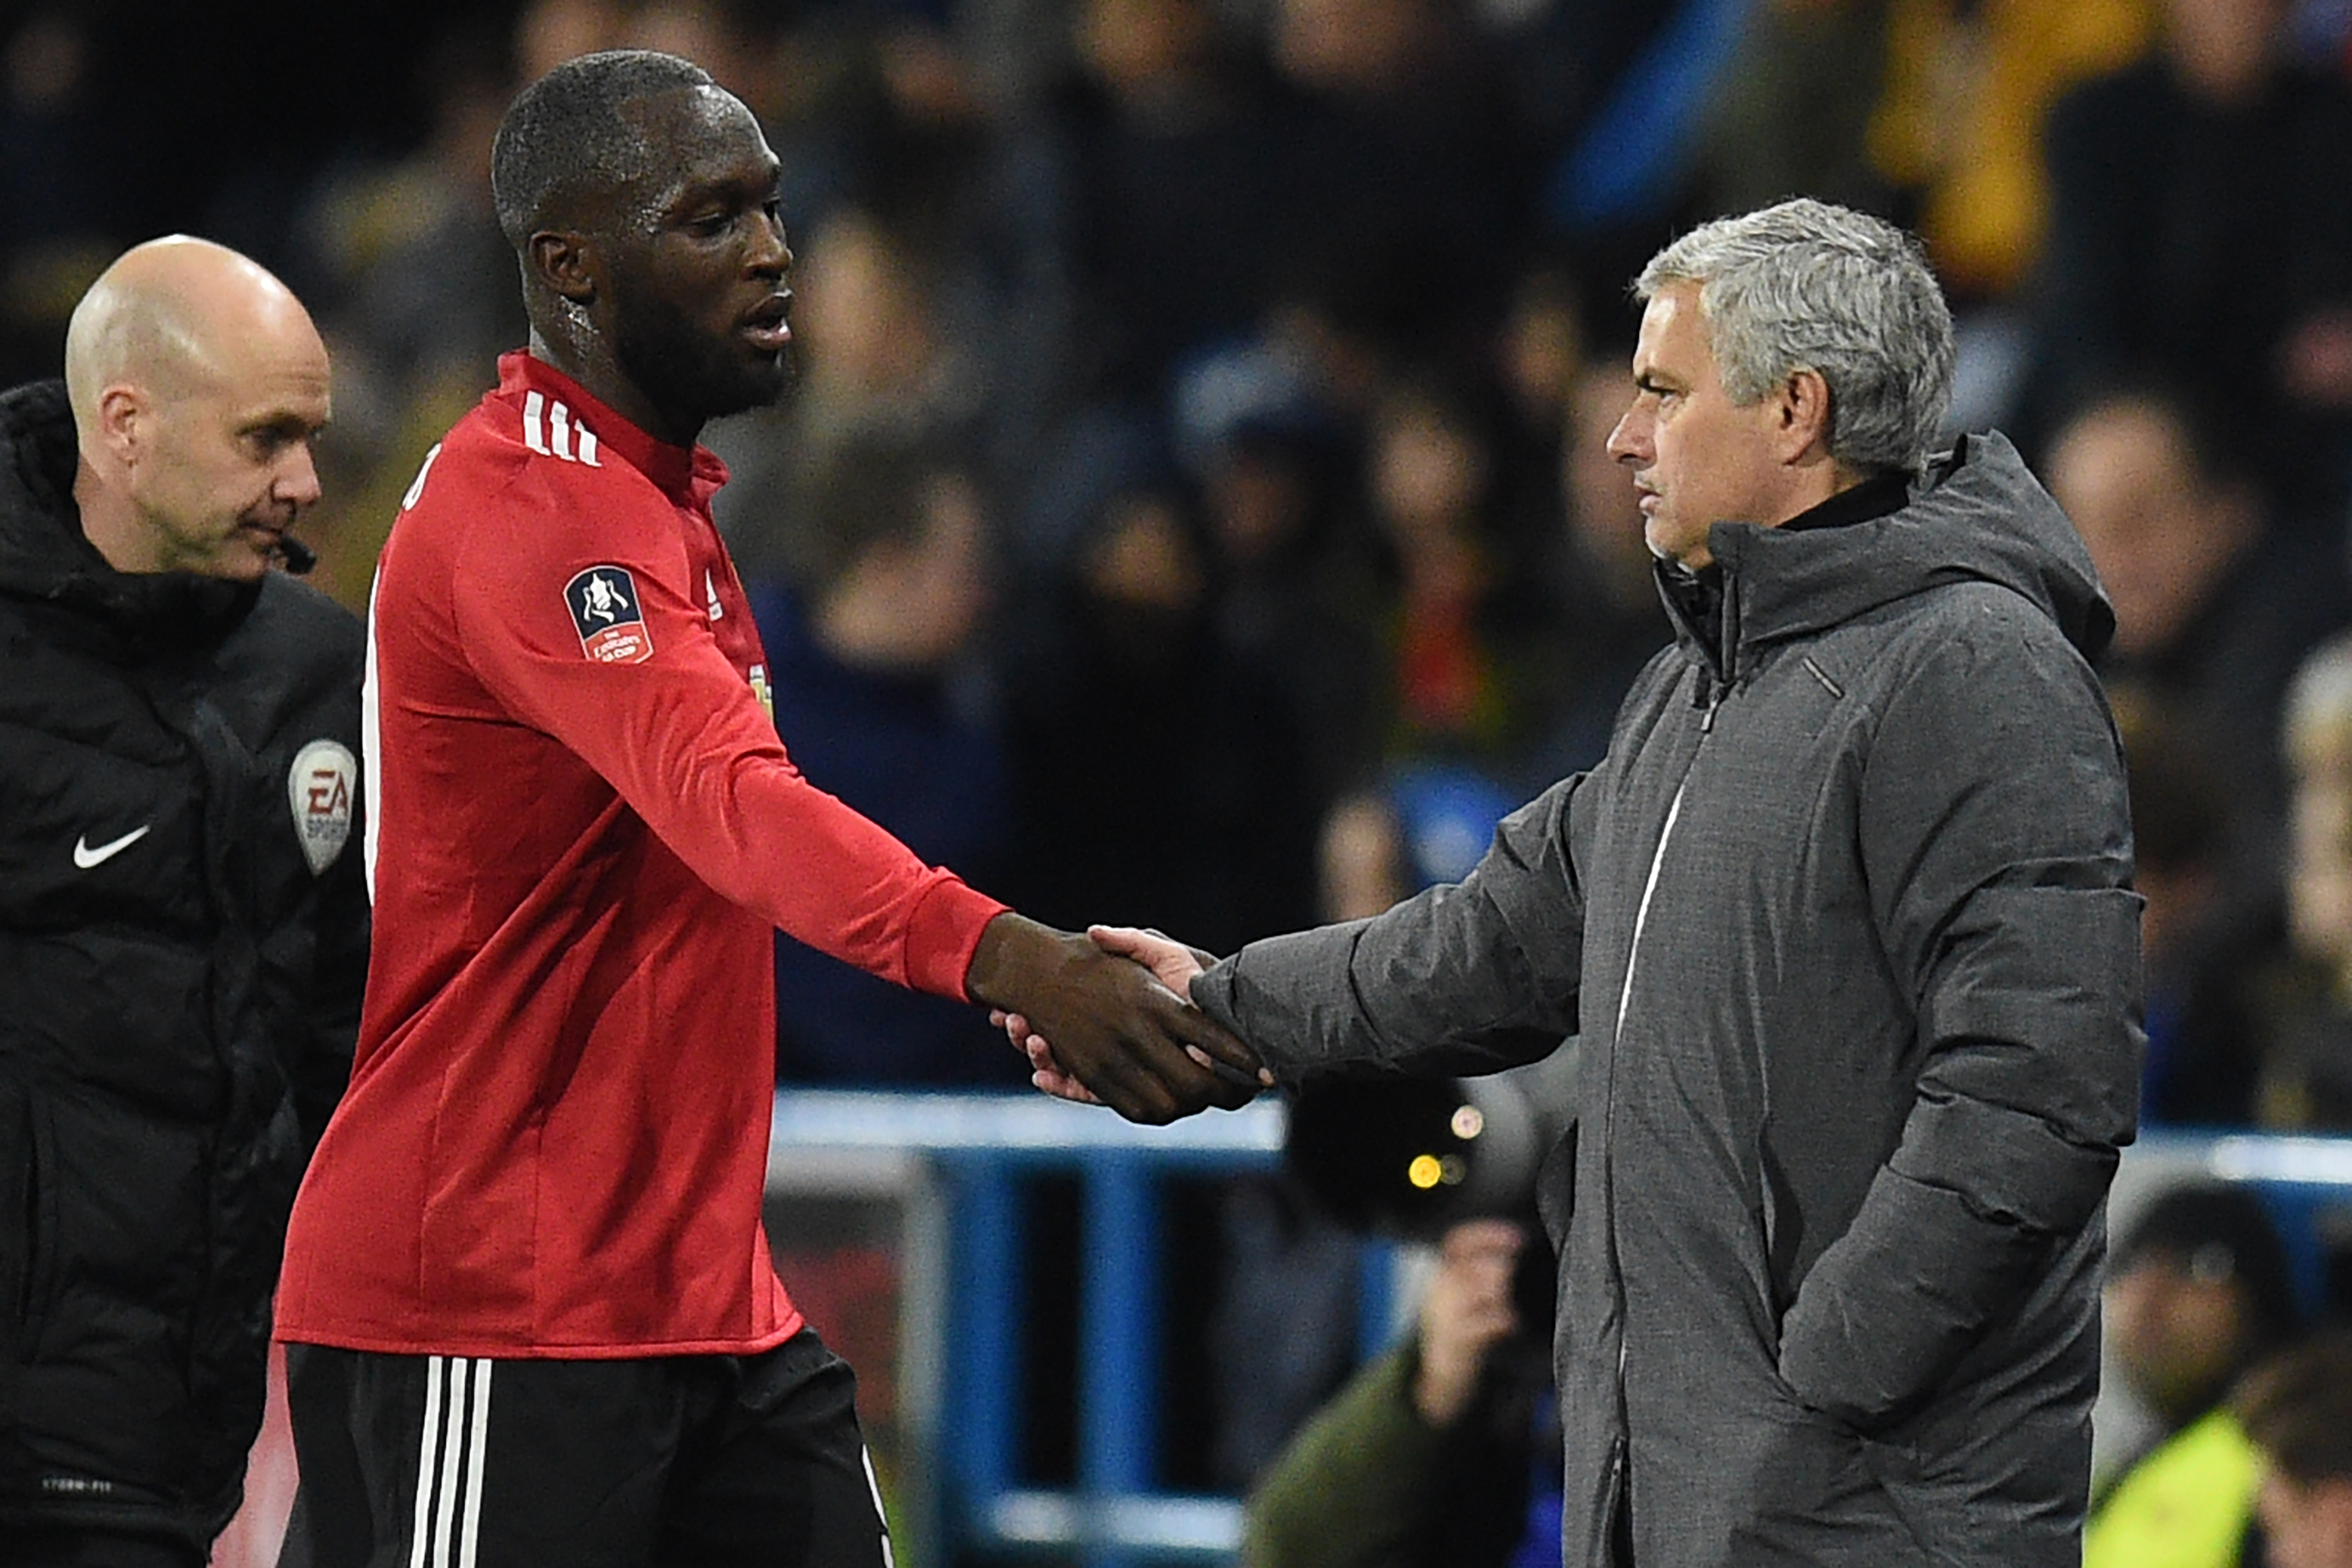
(582, 829)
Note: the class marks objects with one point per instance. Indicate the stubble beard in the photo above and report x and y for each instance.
(681, 367)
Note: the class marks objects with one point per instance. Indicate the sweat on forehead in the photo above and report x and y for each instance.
(570, 144)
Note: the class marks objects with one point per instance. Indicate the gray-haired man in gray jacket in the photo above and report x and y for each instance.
(1844, 925)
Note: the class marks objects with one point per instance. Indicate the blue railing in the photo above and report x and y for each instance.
(957, 1165)
(959, 1162)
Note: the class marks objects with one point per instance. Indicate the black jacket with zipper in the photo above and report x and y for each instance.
(183, 945)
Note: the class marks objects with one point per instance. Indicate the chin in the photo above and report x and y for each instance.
(756, 390)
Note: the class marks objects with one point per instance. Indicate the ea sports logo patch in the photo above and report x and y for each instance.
(318, 788)
(603, 604)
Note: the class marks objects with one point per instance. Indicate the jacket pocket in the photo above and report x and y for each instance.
(1615, 1519)
(28, 1219)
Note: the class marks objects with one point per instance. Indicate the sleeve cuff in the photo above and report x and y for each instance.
(942, 932)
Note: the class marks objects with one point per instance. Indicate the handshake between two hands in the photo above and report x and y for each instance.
(1108, 1019)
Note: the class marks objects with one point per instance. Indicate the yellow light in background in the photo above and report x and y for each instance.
(1468, 1122)
(1426, 1171)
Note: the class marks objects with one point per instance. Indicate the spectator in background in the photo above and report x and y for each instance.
(57, 202)
(1295, 593)
(1537, 351)
(2304, 1039)
(2198, 1290)
(1468, 626)
(2297, 1409)
(1964, 93)
(1792, 112)
(1086, 757)
(418, 293)
(2200, 952)
(1407, 181)
(1151, 165)
(871, 668)
(1134, 609)
(2215, 602)
(1965, 89)
(2201, 237)
(1425, 1458)
(881, 366)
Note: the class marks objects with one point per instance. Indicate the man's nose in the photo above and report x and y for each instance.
(1624, 444)
(298, 479)
(771, 254)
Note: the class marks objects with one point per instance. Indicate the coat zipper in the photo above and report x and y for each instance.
(1650, 889)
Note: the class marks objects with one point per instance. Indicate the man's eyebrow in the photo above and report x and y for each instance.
(282, 422)
(697, 192)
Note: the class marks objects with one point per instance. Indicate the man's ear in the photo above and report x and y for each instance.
(125, 420)
(566, 263)
(1802, 403)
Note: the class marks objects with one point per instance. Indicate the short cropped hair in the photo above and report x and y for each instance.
(1808, 286)
(565, 135)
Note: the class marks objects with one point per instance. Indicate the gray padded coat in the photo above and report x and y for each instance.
(1844, 925)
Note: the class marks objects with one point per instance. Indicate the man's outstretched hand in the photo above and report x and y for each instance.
(1122, 1035)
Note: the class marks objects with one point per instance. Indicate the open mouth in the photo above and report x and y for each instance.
(768, 327)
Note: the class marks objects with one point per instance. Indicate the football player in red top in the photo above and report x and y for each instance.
(529, 1308)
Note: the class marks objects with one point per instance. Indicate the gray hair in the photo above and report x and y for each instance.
(1808, 286)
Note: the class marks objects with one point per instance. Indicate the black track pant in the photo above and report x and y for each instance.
(413, 1461)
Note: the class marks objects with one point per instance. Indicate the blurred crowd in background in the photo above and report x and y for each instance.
(1194, 510)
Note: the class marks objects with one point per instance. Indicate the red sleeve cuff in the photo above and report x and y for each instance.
(942, 932)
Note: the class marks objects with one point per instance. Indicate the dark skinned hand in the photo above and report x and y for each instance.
(1135, 1044)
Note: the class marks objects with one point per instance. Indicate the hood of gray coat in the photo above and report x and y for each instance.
(1977, 514)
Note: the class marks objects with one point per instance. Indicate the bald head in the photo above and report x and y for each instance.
(197, 382)
(171, 313)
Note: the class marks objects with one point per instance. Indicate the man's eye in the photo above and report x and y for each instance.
(272, 442)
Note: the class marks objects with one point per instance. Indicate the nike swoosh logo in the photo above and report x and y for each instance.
(85, 856)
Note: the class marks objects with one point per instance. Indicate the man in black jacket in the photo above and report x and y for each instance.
(182, 923)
